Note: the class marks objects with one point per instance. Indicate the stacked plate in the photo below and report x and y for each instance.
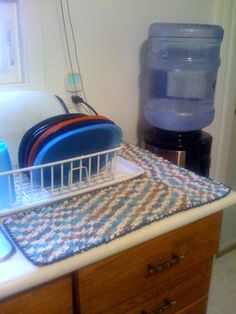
(20, 110)
(67, 136)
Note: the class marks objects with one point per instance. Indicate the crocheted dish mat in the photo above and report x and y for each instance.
(52, 233)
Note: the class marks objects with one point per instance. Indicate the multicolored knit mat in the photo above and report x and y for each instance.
(52, 233)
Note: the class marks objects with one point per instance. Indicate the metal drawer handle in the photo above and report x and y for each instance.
(153, 269)
(165, 306)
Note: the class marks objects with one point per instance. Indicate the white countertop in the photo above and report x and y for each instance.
(18, 274)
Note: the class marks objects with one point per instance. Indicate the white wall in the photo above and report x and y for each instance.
(109, 35)
(225, 100)
(225, 146)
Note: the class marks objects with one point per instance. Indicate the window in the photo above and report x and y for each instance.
(10, 57)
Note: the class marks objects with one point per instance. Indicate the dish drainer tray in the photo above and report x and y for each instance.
(93, 171)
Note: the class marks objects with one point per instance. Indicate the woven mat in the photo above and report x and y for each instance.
(52, 233)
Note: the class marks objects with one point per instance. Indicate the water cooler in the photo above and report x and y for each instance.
(183, 61)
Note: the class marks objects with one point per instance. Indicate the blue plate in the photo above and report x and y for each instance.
(35, 131)
(69, 126)
(74, 143)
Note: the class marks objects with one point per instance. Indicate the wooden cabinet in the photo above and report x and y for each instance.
(52, 298)
(171, 272)
(172, 296)
(198, 307)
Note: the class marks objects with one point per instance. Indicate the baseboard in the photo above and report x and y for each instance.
(226, 249)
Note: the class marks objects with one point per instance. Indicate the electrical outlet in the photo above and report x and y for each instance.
(73, 83)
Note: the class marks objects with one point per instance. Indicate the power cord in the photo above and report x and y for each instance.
(75, 48)
(76, 99)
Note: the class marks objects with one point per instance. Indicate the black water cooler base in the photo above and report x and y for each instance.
(190, 150)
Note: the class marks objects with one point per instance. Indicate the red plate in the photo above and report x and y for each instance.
(35, 147)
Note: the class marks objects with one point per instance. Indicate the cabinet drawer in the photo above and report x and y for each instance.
(198, 307)
(172, 296)
(125, 275)
(54, 298)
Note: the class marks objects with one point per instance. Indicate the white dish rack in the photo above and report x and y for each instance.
(73, 176)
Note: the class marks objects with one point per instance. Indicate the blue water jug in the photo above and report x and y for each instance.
(183, 60)
(7, 188)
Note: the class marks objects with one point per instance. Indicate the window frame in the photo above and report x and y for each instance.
(12, 61)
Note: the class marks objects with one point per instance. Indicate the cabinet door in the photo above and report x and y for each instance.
(173, 296)
(51, 298)
(114, 280)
